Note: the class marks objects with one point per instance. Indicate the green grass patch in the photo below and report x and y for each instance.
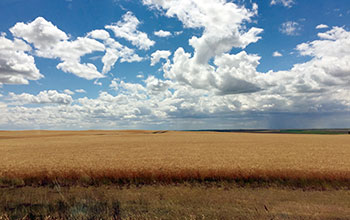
(297, 131)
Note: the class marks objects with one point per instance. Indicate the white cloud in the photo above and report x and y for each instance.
(155, 85)
(222, 23)
(290, 28)
(114, 84)
(80, 91)
(44, 97)
(117, 51)
(127, 28)
(178, 33)
(140, 76)
(277, 54)
(51, 42)
(195, 91)
(98, 34)
(334, 42)
(68, 92)
(159, 54)
(96, 82)
(162, 33)
(132, 88)
(320, 84)
(43, 34)
(230, 76)
(16, 66)
(86, 70)
(285, 3)
(321, 26)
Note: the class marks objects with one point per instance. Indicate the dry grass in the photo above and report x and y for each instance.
(146, 156)
(172, 202)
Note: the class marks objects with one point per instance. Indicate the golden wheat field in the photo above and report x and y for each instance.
(172, 155)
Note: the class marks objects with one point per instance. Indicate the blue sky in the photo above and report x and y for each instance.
(180, 64)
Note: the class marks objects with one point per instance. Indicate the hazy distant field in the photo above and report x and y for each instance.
(173, 156)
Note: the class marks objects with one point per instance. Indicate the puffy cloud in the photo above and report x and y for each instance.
(277, 54)
(162, 33)
(68, 92)
(223, 28)
(98, 34)
(285, 3)
(127, 28)
(87, 70)
(330, 63)
(43, 34)
(222, 23)
(290, 28)
(319, 85)
(321, 26)
(236, 73)
(114, 84)
(96, 82)
(232, 74)
(227, 90)
(159, 54)
(333, 43)
(44, 97)
(115, 51)
(155, 85)
(51, 42)
(80, 91)
(131, 88)
(16, 66)
(178, 33)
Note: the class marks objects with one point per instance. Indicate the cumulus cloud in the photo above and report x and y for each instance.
(321, 26)
(335, 43)
(115, 51)
(223, 28)
(222, 23)
(114, 84)
(290, 28)
(321, 84)
(96, 82)
(80, 91)
(51, 42)
(162, 33)
(159, 54)
(86, 70)
(127, 28)
(277, 54)
(155, 85)
(68, 92)
(178, 33)
(232, 74)
(285, 3)
(223, 87)
(98, 34)
(16, 65)
(43, 34)
(44, 97)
